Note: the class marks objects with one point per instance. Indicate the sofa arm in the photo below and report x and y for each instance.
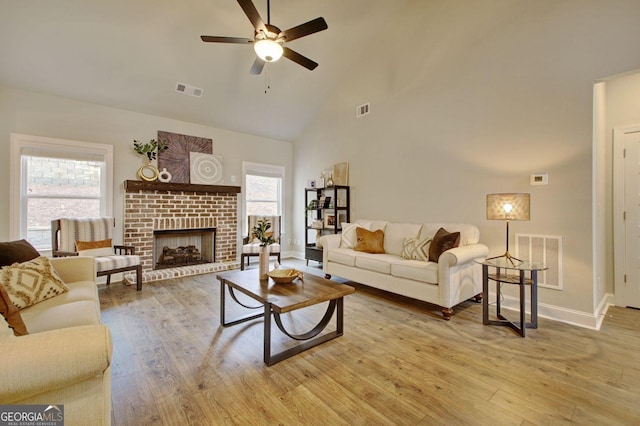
(42, 362)
(464, 254)
(72, 269)
(330, 241)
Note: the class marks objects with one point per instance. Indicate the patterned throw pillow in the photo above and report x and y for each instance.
(31, 282)
(348, 237)
(416, 249)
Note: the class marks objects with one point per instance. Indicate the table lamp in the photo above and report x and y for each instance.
(509, 206)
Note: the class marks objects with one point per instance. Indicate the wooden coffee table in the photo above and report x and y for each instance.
(276, 299)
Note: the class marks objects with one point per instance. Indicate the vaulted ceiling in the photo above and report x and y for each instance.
(130, 55)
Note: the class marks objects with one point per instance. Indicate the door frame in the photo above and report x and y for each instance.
(619, 240)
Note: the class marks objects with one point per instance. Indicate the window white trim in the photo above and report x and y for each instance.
(21, 143)
(266, 170)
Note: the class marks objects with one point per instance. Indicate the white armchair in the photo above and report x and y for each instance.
(93, 237)
(251, 246)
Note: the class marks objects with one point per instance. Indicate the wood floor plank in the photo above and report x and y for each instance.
(397, 363)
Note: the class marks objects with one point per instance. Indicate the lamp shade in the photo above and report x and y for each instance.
(509, 206)
(268, 50)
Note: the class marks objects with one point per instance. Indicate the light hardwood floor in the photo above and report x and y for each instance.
(398, 363)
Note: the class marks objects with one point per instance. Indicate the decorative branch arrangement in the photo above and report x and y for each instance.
(150, 149)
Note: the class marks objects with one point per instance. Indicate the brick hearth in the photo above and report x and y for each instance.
(153, 206)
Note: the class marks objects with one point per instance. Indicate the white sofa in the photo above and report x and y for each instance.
(66, 357)
(452, 280)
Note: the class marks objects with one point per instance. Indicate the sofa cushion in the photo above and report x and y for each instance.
(369, 241)
(73, 314)
(375, 262)
(343, 256)
(31, 282)
(16, 252)
(109, 263)
(416, 270)
(442, 241)
(11, 314)
(416, 249)
(396, 233)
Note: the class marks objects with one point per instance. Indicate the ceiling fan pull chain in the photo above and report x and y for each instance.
(267, 80)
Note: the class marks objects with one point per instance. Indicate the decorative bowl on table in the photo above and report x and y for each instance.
(285, 275)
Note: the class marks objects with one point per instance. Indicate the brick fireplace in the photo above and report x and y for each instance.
(155, 208)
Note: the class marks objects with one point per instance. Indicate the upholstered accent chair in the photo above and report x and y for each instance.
(251, 245)
(93, 237)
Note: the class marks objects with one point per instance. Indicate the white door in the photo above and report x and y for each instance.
(629, 278)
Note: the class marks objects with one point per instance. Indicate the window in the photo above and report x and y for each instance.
(263, 190)
(54, 178)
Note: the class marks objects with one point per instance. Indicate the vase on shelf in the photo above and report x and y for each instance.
(164, 176)
(264, 262)
(148, 172)
(330, 181)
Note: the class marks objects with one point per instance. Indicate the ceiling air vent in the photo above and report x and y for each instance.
(363, 110)
(189, 90)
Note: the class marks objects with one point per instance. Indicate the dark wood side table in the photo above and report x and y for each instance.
(511, 271)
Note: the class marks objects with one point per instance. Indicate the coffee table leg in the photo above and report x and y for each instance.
(223, 321)
(267, 334)
(309, 338)
(222, 302)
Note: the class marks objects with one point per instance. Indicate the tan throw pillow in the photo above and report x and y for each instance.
(369, 241)
(416, 249)
(31, 282)
(90, 245)
(11, 314)
(442, 241)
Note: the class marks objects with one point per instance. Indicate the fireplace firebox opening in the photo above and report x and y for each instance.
(183, 247)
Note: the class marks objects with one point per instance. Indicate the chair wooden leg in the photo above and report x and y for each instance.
(242, 262)
(108, 279)
(139, 278)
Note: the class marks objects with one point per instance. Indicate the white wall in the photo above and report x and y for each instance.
(470, 98)
(43, 115)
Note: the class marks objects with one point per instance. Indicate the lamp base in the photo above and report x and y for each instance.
(508, 256)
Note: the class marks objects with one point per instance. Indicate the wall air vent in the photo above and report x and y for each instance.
(545, 249)
(363, 110)
(189, 90)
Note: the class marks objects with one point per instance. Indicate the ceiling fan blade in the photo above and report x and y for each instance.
(216, 39)
(253, 15)
(314, 26)
(299, 59)
(257, 66)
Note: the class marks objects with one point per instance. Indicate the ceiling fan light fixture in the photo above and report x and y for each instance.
(268, 50)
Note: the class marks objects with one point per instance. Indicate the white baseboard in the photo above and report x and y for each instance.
(558, 313)
(293, 254)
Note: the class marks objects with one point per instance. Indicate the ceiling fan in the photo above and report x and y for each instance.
(268, 41)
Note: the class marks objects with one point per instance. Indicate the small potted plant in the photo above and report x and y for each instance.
(262, 233)
(149, 172)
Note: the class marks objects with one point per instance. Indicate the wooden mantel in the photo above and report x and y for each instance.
(140, 185)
